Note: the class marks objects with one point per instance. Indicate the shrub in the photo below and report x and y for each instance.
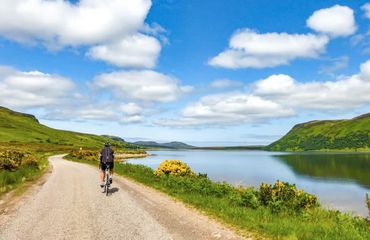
(30, 160)
(10, 160)
(368, 203)
(284, 195)
(85, 155)
(173, 167)
(245, 197)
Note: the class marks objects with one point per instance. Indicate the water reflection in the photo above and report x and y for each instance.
(349, 167)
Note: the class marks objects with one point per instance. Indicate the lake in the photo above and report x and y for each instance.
(339, 180)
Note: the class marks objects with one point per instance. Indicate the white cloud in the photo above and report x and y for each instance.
(347, 93)
(33, 89)
(225, 83)
(230, 108)
(86, 22)
(111, 29)
(275, 85)
(275, 97)
(335, 21)
(146, 86)
(249, 49)
(366, 9)
(134, 51)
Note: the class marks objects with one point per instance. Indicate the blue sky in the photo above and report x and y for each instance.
(203, 72)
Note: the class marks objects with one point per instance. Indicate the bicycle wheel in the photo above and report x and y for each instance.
(106, 183)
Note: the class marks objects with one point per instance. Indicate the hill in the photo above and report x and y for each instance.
(19, 128)
(342, 135)
(169, 145)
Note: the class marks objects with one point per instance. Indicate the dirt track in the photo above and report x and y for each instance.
(71, 205)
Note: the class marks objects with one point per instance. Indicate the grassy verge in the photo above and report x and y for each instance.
(10, 180)
(219, 200)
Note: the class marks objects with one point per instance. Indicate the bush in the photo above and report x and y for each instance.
(85, 155)
(173, 167)
(284, 195)
(11, 160)
(368, 203)
(30, 160)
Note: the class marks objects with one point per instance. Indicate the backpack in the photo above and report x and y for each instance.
(107, 155)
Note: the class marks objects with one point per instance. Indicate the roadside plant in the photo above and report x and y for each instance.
(368, 203)
(11, 160)
(85, 155)
(173, 168)
(284, 195)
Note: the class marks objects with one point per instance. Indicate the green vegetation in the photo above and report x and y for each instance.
(333, 166)
(336, 135)
(173, 167)
(368, 203)
(278, 211)
(20, 167)
(18, 128)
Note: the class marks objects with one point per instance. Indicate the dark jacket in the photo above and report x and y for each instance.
(107, 155)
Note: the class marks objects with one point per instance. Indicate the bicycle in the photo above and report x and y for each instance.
(106, 180)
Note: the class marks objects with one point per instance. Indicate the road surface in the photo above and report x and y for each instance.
(71, 205)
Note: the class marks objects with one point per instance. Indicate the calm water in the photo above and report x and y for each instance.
(340, 180)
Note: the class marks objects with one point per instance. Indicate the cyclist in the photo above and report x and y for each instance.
(106, 160)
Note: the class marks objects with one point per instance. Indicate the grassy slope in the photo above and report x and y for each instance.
(345, 135)
(18, 128)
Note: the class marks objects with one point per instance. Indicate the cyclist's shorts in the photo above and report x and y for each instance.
(103, 166)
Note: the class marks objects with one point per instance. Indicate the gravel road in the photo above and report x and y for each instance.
(71, 205)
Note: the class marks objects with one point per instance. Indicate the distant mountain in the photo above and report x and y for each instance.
(347, 135)
(169, 145)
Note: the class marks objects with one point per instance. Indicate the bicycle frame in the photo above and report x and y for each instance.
(106, 180)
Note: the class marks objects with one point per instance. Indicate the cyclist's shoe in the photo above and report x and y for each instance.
(102, 184)
(110, 180)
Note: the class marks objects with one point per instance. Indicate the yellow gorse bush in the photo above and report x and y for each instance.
(12, 160)
(85, 155)
(173, 167)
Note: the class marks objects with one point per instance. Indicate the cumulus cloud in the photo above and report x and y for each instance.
(33, 89)
(86, 22)
(137, 50)
(230, 108)
(110, 28)
(275, 97)
(145, 85)
(250, 49)
(339, 95)
(334, 21)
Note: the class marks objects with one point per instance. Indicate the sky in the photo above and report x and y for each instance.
(208, 73)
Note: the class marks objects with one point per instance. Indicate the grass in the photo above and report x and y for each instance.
(337, 135)
(18, 128)
(10, 180)
(216, 199)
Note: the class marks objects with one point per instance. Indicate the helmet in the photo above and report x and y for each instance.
(107, 144)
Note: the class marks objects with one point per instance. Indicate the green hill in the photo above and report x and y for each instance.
(19, 128)
(169, 145)
(329, 135)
